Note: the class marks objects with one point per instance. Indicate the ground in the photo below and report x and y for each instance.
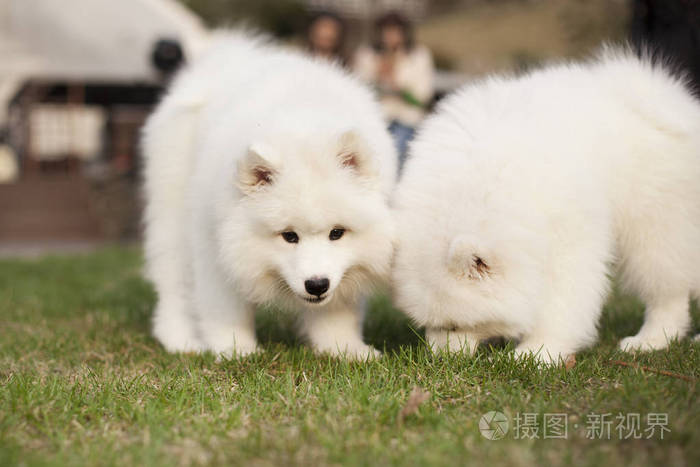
(82, 382)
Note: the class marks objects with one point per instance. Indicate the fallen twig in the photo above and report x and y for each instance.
(653, 370)
(415, 399)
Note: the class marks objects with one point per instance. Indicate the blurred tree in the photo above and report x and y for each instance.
(282, 18)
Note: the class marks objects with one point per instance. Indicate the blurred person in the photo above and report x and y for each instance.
(167, 56)
(402, 72)
(325, 36)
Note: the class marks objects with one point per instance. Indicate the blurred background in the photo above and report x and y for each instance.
(79, 77)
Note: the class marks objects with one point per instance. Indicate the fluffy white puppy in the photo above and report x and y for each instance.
(267, 177)
(520, 192)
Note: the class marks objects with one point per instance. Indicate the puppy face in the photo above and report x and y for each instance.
(310, 225)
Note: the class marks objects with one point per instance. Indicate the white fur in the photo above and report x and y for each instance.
(548, 179)
(213, 244)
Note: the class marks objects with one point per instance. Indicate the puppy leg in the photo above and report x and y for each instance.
(665, 319)
(230, 332)
(167, 146)
(659, 262)
(172, 325)
(578, 286)
(545, 349)
(166, 265)
(457, 340)
(337, 330)
(226, 322)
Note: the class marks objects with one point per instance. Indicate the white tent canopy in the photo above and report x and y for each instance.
(88, 40)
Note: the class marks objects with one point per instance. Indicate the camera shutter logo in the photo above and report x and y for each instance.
(493, 425)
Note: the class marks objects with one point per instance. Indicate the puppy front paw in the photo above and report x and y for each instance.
(236, 352)
(453, 341)
(176, 337)
(356, 351)
(230, 342)
(543, 354)
(642, 343)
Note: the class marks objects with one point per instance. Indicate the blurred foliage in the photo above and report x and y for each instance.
(282, 18)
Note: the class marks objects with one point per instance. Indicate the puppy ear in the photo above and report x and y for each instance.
(465, 260)
(353, 154)
(255, 170)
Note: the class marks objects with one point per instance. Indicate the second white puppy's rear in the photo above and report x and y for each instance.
(520, 192)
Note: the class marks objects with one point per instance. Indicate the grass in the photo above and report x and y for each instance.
(81, 382)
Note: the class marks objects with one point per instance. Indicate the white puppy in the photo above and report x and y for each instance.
(520, 192)
(267, 177)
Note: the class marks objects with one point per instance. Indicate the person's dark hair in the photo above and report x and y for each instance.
(167, 55)
(393, 19)
(328, 14)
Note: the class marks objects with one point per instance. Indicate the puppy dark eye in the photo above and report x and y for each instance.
(290, 237)
(336, 234)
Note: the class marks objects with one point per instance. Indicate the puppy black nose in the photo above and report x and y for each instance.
(317, 286)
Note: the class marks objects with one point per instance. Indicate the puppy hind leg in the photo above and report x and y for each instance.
(665, 319)
(659, 262)
(457, 340)
(568, 321)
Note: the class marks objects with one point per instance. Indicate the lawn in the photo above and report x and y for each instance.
(82, 382)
